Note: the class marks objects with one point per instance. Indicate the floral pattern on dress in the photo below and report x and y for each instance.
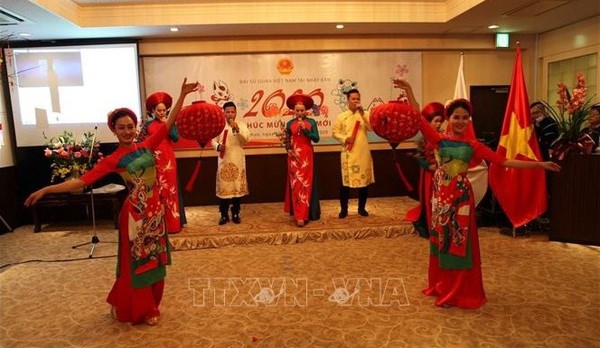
(146, 215)
(451, 197)
(300, 180)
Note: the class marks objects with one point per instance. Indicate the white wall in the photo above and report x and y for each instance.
(6, 142)
(572, 41)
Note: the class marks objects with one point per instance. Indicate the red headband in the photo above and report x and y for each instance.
(114, 115)
(461, 102)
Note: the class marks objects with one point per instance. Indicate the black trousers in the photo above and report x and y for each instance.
(225, 202)
(363, 194)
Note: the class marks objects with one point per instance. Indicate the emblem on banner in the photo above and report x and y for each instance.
(285, 66)
(221, 93)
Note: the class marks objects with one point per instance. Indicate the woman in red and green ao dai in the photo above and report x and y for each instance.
(420, 215)
(144, 249)
(455, 262)
(158, 106)
(301, 196)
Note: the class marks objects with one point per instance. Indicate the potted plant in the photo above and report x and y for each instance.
(570, 115)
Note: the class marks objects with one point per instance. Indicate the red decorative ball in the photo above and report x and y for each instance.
(395, 121)
(201, 121)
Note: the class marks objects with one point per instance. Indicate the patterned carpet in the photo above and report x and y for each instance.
(350, 290)
(268, 224)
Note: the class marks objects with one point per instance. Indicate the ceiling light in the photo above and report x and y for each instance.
(174, 29)
(339, 26)
(494, 26)
(24, 34)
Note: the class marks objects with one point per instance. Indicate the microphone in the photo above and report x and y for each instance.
(298, 123)
(229, 121)
(360, 109)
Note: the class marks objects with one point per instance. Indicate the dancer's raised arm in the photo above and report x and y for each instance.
(186, 88)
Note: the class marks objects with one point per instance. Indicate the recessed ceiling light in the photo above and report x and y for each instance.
(494, 26)
(174, 29)
(339, 26)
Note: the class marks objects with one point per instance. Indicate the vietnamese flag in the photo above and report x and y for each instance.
(520, 192)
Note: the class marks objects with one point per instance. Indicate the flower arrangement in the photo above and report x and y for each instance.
(70, 158)
(570, 116)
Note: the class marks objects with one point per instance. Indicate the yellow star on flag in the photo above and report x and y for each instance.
(517, 140)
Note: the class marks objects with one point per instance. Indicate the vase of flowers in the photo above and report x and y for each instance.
(70, 158)
(570, 115)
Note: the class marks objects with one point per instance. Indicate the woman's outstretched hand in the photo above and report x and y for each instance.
(187, 88)
(34, 197)
(405, 85)
(65, 186)
(551, 166)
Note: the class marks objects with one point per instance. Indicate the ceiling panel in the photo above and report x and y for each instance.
(79, 19)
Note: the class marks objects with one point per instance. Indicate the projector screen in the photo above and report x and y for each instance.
(70, 88)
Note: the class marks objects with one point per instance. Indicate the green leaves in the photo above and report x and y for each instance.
(569, 125)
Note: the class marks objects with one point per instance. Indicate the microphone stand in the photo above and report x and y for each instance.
(229, 122)
(95, 240)
(5, 224)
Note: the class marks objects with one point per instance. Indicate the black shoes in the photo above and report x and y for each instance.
(343, 213)
(224, 219)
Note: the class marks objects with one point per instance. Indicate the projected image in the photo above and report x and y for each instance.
(48, 70)
(71, 88)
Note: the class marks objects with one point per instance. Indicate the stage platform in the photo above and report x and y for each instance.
(266, 223)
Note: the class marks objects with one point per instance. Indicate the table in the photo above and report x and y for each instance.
(111, 194)
(575, 201)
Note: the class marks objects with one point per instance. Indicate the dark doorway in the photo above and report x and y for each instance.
(489, 104)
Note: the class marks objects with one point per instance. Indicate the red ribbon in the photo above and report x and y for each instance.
(222, 153)
(354, 132)
(405, 181)
(190, 184)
